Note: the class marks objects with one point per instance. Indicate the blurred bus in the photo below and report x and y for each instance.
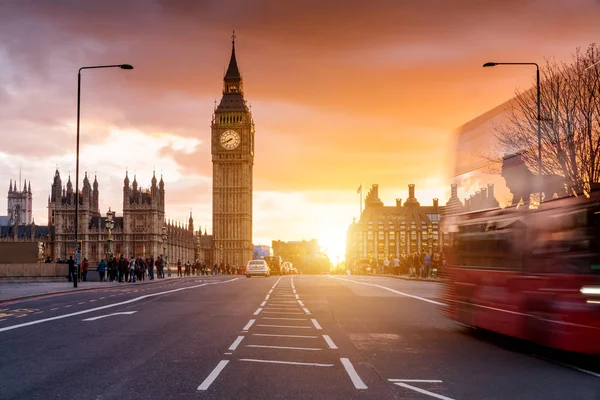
(274, 263)
(514, 265)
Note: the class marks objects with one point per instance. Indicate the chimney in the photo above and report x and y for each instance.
(453, 190)
(435, 205)
(490, 190)
(411, 191)
(398, 202)
(484, 195)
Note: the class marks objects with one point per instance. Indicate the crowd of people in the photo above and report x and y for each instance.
(123, 269)
(416, 265)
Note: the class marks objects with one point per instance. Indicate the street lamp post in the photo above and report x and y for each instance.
(110, 225)
(539, 129)
(78, 254)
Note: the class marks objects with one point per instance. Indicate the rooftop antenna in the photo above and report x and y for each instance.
(19, 179)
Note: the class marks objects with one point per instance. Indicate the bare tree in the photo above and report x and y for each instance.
(570, 121)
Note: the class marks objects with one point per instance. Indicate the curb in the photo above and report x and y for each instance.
(73, 290)
(406, 278)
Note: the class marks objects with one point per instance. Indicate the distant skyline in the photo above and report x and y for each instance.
(342, 93)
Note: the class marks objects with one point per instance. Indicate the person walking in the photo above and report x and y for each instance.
(188, 268)
(427, 265)
(132, 270)
(101, 269)
(179, 268)
(85, 266)
(72, 272)
(151, 268)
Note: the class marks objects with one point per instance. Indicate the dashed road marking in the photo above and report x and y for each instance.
(416, 380)
(258, 310)
(285, 362)
(249, 324)
(358, 383)
(285, 326)
(236, 343)
(329, 342)
(316, 324)
(284, 347)
(263, 303)
(67, 306)
(283, 312)
(213, 375)
(288, 336)
(52, 309)
(301, 303)
(306, 310)
(110, 315)
(423, 391)
(287, 319)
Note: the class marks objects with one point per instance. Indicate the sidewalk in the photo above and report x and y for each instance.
(405, 277)
(15, 290)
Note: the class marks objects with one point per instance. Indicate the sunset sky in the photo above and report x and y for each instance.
(342, 92)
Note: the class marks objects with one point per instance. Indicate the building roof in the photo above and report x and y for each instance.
(24, 231)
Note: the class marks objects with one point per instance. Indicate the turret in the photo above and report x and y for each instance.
(191, 223)
(10, 189)
(95, 195)
(69, 186)
(126, 190)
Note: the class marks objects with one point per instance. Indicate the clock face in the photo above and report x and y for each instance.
(230, 140)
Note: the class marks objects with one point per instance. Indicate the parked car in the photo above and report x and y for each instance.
(258, 268)
(293, 271)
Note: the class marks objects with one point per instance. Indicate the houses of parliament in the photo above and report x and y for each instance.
(141, 229)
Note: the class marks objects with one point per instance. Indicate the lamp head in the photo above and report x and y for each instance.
(126, 66)
(490, 64)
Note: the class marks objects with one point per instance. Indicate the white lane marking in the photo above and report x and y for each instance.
(416, 380)
(391, 290)
(228, 354)
(287, 319)
(283, 312)
(294, 291)
(280, 308)
(213, 375)
(358, 383)
(585, 371)
(263, 303)
(282, 302)
(297, 297)
(329, 342)
(236, 343)
(110, 315)
(270, 291)
(249, 324)
(301, 303)
(267, 297)
(283, 295)
(291, 336)
(285, 362)
(316, 324)
(283, 347)
(40, 321)
(306, 310)
(258, 310)
(416, 389)
(285, 326)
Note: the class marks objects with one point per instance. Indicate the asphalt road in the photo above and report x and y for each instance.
(301, 337)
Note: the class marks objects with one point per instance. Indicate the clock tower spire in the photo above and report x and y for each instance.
(232, 139)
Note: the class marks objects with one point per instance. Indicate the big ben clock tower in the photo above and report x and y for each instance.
(233, 158)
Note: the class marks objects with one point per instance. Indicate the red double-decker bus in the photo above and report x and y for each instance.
(531, 274)
(516, 266)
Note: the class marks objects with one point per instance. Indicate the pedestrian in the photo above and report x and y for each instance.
(179, 268)
(85, 265)
(132, 270)
(72, 272)
(427, 265)
(188, 268)
(101, 269)
(396, 265)
(151, 267)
